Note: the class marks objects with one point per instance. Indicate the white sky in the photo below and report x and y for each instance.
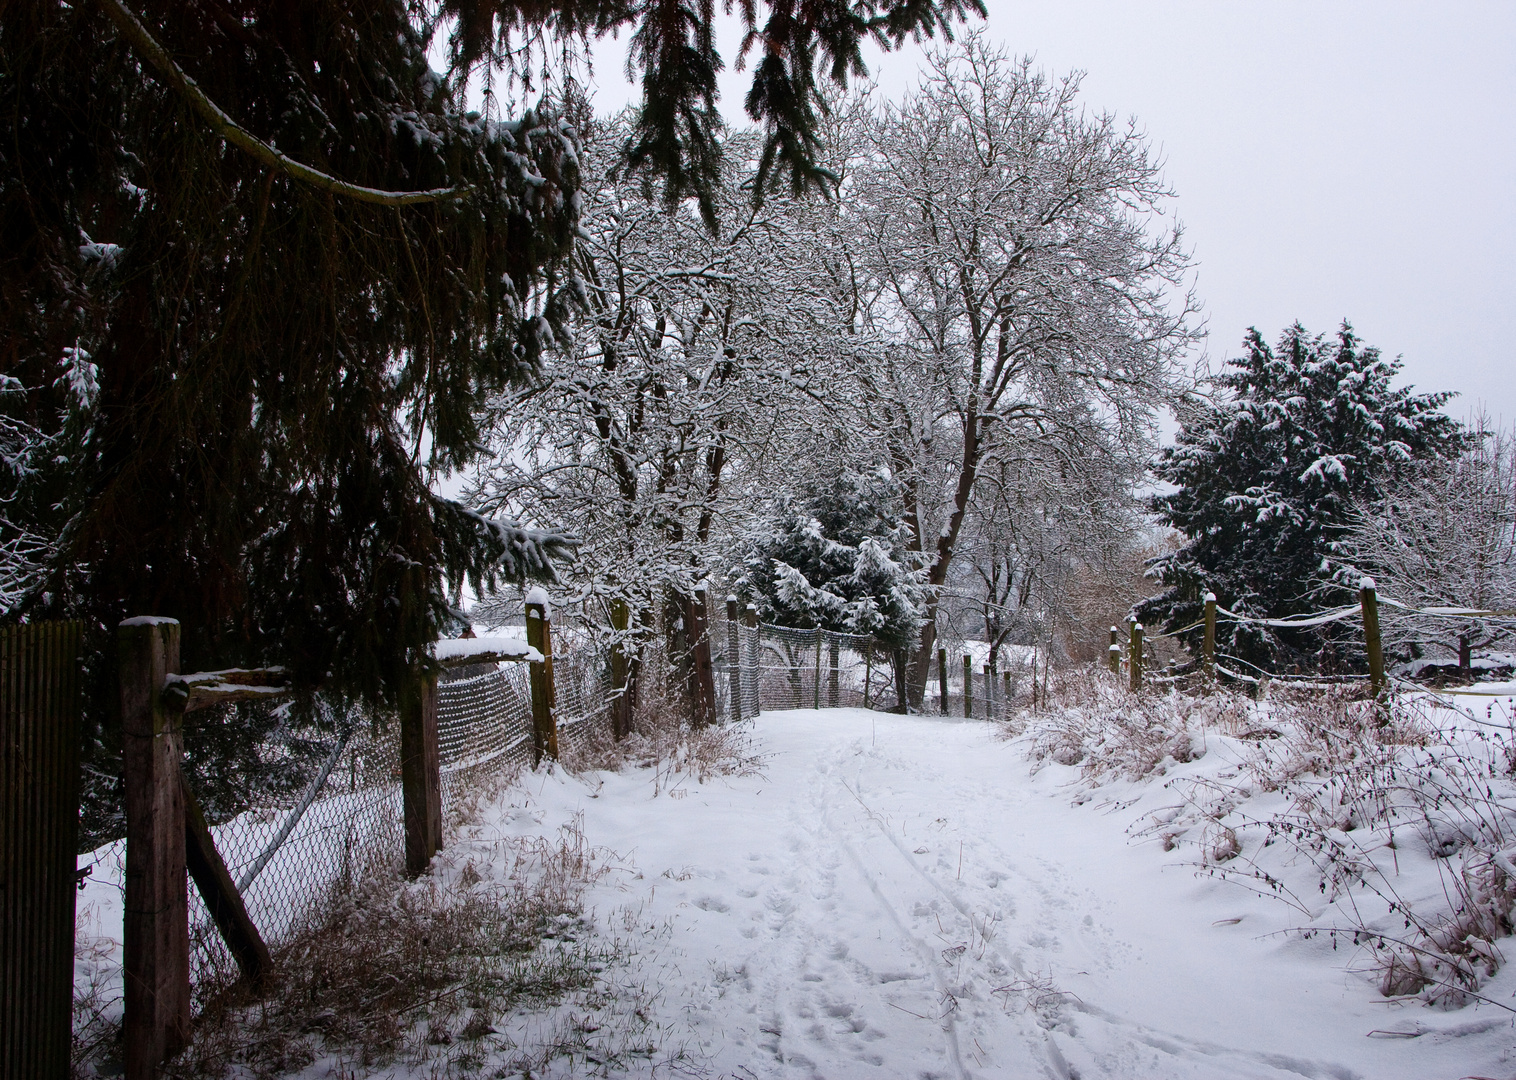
(1331, 160)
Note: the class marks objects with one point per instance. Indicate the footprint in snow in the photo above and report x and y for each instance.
(713, 903)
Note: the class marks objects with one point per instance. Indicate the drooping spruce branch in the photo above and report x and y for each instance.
(223, 125)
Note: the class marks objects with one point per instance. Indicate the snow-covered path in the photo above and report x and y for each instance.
(898, 897)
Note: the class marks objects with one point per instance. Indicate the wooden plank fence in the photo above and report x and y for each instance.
(39, 816)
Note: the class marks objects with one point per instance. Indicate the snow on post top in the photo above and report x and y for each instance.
(149, 620)
(1210, 598)
(1137, 626)
(1366, 583)
(538, 595)
(456, 650)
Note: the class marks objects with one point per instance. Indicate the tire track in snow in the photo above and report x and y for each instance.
(1174, 1045)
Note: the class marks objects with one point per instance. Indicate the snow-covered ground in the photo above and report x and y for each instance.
(908, 897)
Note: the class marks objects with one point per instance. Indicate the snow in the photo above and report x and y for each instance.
(905, 896)
(538, 595)
(900, 896)
(149, 620)
(504, 648)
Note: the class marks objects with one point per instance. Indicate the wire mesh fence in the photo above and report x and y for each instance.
(289, 849)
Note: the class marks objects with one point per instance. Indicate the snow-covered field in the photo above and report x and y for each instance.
(908, 897)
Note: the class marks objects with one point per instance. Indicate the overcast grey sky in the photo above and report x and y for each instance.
(1331, 159)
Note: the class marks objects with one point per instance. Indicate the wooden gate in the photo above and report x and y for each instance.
(39, 828)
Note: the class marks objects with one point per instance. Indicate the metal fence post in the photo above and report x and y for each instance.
(420, 771)
(733, 659)
(539, 635)
(155, 915)
(39, 814)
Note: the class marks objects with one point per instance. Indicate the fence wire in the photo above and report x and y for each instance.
(289, 852)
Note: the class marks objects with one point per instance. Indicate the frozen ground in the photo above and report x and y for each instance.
(905, 897)
(911, 897)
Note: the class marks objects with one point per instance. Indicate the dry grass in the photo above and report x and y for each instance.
(1325, 800)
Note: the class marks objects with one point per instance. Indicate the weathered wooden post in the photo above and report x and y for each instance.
(420, 770)
(989, 694)
(968, 686)
(621, 703)
(1465, 658)
(1005, 686)
(942, 681)
(1368, 600)
(155, 915)
(734, 658)
(39, 815)
(220, 893)
(1134, 682)
(817, 686)
(539, 635)
(1114, 652)
(702, 678)
(1208, 643)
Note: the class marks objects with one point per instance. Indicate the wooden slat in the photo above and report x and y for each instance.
(39, 813)
(222, 899)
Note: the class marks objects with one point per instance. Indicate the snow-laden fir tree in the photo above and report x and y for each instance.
(835, 559)
(1268, 475)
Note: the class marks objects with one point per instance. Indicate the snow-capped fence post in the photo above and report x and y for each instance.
(1208, 643)
(39, 815)
(1114, 652)
(702, 680)
(621, 702)
(734, 658)
(539, 635)
(1368, 601)
(1135, 670)
(942, 682)
(420, 771)
(968, 686)
(155, 909)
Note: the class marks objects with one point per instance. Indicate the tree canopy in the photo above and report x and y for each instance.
(260, 266)
(1268, 477)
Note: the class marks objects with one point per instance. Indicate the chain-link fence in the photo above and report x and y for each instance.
(289, 849)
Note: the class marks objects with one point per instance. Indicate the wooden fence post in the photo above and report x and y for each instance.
(1208, 644)
(1114, 652)
(621, 704)
(734, 658)
(221, 897)
(155, 916)
(989, 694)
(942, 682)
(1005, 685)
(702, 679)
(1368, 600)
(539, 635)
(1134, 682)
(420, 771)
(968, 687)
(39, 815)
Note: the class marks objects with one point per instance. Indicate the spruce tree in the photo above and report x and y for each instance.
(836, 560)
(1268, 475)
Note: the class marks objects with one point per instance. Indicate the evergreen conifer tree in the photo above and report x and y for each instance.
(836, 560)
(1268, 477)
